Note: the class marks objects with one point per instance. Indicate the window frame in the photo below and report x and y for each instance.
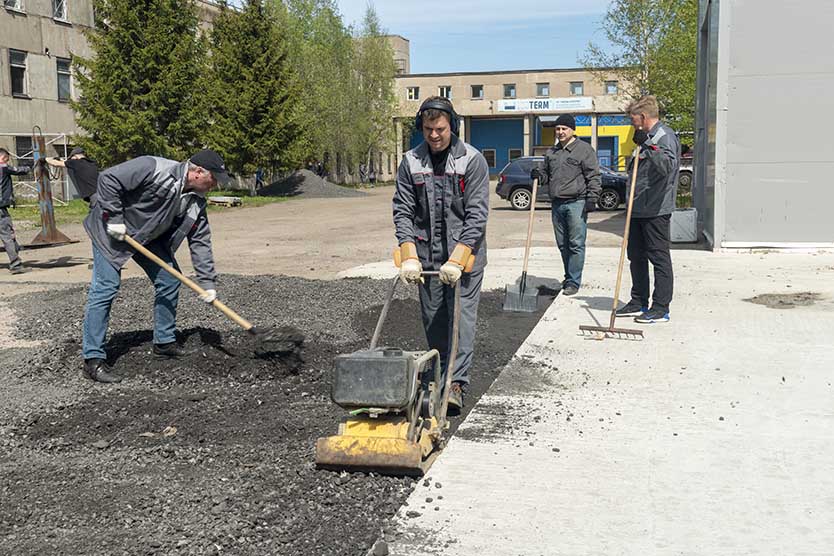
(616, 87)
(25, 66)
(472, 90)
(19, 6)
(494, 157)
(581, 88)
(68, 75)
(65, 17)
(415, 90)
(510, 154)
(546, 86)
(515, 91)
(448, 90)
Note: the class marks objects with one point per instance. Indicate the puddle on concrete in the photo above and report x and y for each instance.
(786, 300)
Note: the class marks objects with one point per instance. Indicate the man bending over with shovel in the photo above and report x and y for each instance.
(440, 213)
(159, 203)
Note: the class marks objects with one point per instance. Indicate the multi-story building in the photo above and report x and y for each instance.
(38, 39)
(508, 114)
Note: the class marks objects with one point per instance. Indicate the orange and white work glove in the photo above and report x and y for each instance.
(410, 269)
(452, 269)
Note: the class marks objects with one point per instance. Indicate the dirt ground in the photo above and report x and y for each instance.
(312, 238)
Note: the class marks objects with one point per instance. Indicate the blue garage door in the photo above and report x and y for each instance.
(496, 138)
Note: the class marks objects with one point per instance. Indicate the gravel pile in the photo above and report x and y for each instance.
(213, 453)
(307, 184)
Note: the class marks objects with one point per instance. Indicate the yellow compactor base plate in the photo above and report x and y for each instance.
(379, 444)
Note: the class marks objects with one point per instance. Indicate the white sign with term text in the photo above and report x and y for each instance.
(546, 104)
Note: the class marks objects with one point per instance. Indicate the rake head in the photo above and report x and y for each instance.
(602, 332)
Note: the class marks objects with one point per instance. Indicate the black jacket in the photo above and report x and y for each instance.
(6, 189)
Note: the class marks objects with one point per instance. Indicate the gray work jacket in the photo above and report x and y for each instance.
(466, 202)
(572, 171)
(6, 186)
(656, 187)
(146, 194)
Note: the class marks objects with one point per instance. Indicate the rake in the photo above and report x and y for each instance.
(611, 331)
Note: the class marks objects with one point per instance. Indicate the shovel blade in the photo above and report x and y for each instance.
(520, 301)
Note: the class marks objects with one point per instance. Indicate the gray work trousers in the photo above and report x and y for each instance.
(437, 303)
(8, 238)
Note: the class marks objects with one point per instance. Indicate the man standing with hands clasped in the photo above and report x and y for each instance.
(571, 174)
(160, 203)
(655, 193)
(440, 213)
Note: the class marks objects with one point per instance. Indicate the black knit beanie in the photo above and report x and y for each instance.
(566, 120)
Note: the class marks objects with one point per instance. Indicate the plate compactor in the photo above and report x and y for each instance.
(396, 402)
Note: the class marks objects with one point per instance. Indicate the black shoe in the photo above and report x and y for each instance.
(570, 289)
(632, 309)
(653, 316)
(170, 350)
(456, 397)
(99, 371)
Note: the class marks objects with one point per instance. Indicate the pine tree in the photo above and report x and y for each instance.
(137, 91)
(253, 91)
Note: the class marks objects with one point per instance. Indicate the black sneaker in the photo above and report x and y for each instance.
(99, 371)
(570, 289)
(170, 350)
(17, 269)
(653, 316)
(456, 397)
(632, 309)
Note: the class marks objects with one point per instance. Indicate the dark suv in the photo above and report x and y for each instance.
(515, 185)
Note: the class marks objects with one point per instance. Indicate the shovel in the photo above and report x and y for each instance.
(285, 340)
(517, 298)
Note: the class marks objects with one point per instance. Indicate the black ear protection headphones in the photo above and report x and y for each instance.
(454, 119)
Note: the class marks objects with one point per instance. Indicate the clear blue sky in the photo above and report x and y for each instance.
(488, 35)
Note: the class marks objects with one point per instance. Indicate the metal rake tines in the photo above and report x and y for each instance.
(602, 332)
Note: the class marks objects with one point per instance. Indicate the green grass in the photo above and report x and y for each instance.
(29, 217)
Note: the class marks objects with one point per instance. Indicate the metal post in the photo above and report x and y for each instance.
(49, 234)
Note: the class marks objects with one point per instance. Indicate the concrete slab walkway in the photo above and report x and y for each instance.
(714, 435)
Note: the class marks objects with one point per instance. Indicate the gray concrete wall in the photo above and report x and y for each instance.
(765, 122)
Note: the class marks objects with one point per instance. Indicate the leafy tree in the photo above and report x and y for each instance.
(374, 71)
(137, 92)
(252, 90)
(654, 50)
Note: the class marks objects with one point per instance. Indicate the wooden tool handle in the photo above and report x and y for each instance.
(530, 223)
(245, 324)
(636, 158)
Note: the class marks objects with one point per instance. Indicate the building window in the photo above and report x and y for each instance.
(59, 9)
(17, 63)
(515, 153)
(509, 90)
(478, 92)
(610, 87)
(577, 88)
(389, 163)
(23, 148)
(542, 89)
(489, 154)
(400, 65)
(14, 4)
(445, 91)
(413, 93)
(64, 80)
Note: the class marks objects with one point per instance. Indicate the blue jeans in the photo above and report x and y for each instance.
(104, 287)
(571, 227)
